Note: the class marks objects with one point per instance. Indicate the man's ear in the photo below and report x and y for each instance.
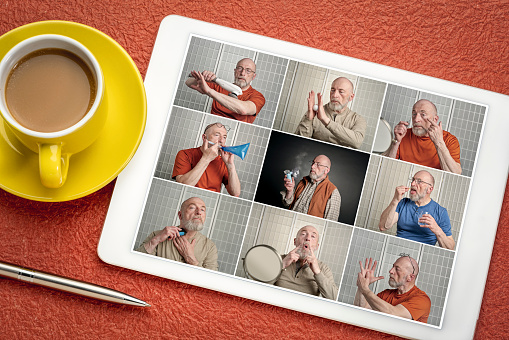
(351, 97)
(180, 215)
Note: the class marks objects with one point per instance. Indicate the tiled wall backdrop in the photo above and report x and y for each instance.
(221, 59)
(225, 222)
(302, 78)
(463, 120)
(435, 266)
(185, 130)
(278, 228)
(385, 174)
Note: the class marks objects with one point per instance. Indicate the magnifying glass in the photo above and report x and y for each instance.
(383, 137)
(263, 263)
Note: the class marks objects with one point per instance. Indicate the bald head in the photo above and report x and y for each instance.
(320, 167)
(343, 83)
(410, 264)
(247, 63)
(425, 176)
(341, 92)
(324, 160)
(427, 105)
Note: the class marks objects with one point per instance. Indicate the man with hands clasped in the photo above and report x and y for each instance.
(192, 247)
(244, 107)
(426, 143)
(208, 166)
(333, 122)
(418, 217)
(405, 300)
(302, 271)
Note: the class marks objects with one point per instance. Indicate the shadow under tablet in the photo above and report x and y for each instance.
(286, 152)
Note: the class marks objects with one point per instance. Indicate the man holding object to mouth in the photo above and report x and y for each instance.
(425, 143)
(208, 166)
(433, 226)
(303, 272)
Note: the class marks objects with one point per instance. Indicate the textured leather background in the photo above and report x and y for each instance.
(462, 41)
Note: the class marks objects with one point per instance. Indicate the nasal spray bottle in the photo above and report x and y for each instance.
(293, 173)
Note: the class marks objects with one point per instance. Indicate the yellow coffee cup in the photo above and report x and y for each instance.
(51, 89)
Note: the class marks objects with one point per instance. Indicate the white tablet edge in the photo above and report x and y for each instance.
(481, 219)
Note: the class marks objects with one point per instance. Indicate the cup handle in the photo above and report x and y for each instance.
(52, 167)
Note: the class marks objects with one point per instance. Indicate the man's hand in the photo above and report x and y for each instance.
(367, 275)
(186, 249)
(312, 261)
(201, 82)
(321, 111)
(400, 192)
(429, 222)
(210, 151)
(169, 233)
(400, 130)
(227, 157)
(311, 103)
(289, 185)
(435, 132)
(291, 257)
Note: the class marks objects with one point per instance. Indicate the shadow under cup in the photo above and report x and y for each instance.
(54, 60)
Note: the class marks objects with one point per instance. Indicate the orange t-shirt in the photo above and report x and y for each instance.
(215, 174)
(421, 150)
(249, 95)
(415, 301)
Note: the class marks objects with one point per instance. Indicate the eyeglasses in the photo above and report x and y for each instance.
(240, 69)
(418, 181)
(317, 164)
(409, 259)
(226, 127)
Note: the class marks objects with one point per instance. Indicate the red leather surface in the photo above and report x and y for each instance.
(461, 41)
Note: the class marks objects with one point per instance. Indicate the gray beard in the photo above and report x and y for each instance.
(241, 83)
(336, 107)
(303, 253)
(415, 197)
(395, 284)
(419, 131)
(192, 226)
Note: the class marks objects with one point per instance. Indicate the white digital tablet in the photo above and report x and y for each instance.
(293, 165)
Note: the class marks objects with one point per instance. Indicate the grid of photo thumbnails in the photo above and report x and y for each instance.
(365, 179)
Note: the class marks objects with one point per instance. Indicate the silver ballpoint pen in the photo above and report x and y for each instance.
(68, 285)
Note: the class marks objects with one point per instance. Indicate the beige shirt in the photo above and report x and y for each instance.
(306, 281)
(346, 128)
(205, 250)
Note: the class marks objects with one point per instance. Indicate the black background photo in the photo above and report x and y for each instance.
(288, 152)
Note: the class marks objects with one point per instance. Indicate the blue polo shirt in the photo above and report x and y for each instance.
(408, 225)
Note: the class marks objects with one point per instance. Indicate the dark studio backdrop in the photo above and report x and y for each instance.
(288, 152)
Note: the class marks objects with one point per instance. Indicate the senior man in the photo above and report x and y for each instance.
(334, 122)
(208, 166)
(418, 218)
(302, 271)
(315, 194)
(245, 107)
(426, 143)
(404, 300)
(193, 247)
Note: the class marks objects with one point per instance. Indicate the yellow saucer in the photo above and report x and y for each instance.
(99, 164)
